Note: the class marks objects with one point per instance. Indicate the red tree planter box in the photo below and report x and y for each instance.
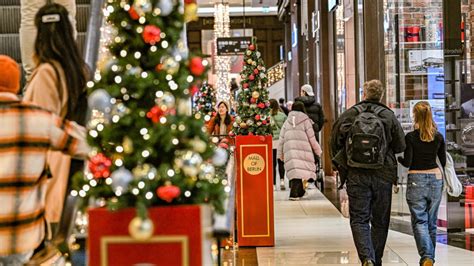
(181, 237)
(255, 220)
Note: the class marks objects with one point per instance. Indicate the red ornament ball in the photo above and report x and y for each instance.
(168, 193)
(151, 34)
(99, 165)
(246, 85)
(252, 47)
(253, 100)
(155, 114)
(232, 134)
(251, 77)
(261, 105)
(250, 133)
(224, 145)
(257, 117)
(133, 13)
(255, 71)
(193, 90)
(196, 67)
(264, 122)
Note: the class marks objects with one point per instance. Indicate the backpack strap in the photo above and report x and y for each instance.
(378, 109)
(359, 108)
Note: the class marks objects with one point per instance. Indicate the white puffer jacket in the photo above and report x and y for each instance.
(298, 145)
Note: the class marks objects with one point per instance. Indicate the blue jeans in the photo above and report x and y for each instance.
(423, 197)
(15, 259)
(370, 201)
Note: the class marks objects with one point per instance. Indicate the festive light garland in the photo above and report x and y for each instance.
(222, 63)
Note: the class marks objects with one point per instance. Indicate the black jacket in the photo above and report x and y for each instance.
(313, 110)
(395, 141)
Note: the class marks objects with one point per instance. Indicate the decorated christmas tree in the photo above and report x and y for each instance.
(253, 111)
(205, 100)
(148, 148)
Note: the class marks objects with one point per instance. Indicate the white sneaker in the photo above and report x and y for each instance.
(294, 198)
(311, 185)
(282, 185)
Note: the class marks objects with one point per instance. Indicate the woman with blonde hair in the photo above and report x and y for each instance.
(425, 183)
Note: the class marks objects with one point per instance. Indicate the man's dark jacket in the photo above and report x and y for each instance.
(395, 141)
(313, 110)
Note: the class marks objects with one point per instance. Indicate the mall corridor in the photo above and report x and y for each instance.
(313, 232)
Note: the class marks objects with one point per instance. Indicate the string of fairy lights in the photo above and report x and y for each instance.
(222, 63)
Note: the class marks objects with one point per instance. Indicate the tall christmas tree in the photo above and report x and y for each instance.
(253, 111)
(205, 100)
(148, 148)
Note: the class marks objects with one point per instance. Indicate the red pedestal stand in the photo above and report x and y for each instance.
(181, 237)
(255, 220)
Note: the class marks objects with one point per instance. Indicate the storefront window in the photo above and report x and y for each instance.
(415, 70)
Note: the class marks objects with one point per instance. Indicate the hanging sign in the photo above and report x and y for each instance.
(232, 45)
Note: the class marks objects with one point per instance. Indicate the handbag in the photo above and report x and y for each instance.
(452, 184)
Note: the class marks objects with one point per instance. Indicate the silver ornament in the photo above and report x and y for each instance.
(262, 75)
(249, 122)
(198, 145)
(235, 124)
(134, 71)
(166, 101)
(207, 171)
(253, 106)
(259, 123)
(166, 7)
(258, 54)
(142, 6)
(238, 119)
(119, 109)
(189, 162)
(120, 179)
(141, 229)
(100, 100)
(220, 157)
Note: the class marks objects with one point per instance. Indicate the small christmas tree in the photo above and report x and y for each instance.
(205, 100)
(253, 111)
(148, 149)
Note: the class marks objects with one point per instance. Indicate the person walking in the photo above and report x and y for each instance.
(297, 146)
(57, 84)
(28, 30)
(28, 132)
(313, 108)
(364, 141)
(283, 106)
(277, 119)
(425, 182)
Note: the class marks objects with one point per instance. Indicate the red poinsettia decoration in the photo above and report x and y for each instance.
(151, 34)
(155, 114)
(168, 192)
(133, 13)
(99, 165)
(196, 67)
(261, 105)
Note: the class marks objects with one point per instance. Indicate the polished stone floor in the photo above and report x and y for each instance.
(313, 232)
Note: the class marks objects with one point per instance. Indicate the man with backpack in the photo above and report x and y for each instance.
(364, 142)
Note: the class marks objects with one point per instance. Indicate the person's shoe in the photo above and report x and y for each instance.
(368, 263)
(282, 185)
(427, 262)
(294, 198)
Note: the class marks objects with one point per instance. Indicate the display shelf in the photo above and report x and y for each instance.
(452, 109)
(421, 42)
(465, 169)
(417, 74)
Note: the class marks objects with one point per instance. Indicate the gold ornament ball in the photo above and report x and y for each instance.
(255, 94)
(127, 145)
(243, 125)
(141, 229)
(249, 61)
(190, 12)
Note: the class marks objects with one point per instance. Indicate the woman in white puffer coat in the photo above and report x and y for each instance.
(296, 148)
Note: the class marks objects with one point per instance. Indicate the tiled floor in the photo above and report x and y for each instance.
(313, 232)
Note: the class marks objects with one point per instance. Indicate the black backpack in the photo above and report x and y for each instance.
(366, 143)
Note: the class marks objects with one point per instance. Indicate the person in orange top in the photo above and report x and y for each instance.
(221, 124)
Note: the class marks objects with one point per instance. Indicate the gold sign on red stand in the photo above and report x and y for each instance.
(255, 219)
